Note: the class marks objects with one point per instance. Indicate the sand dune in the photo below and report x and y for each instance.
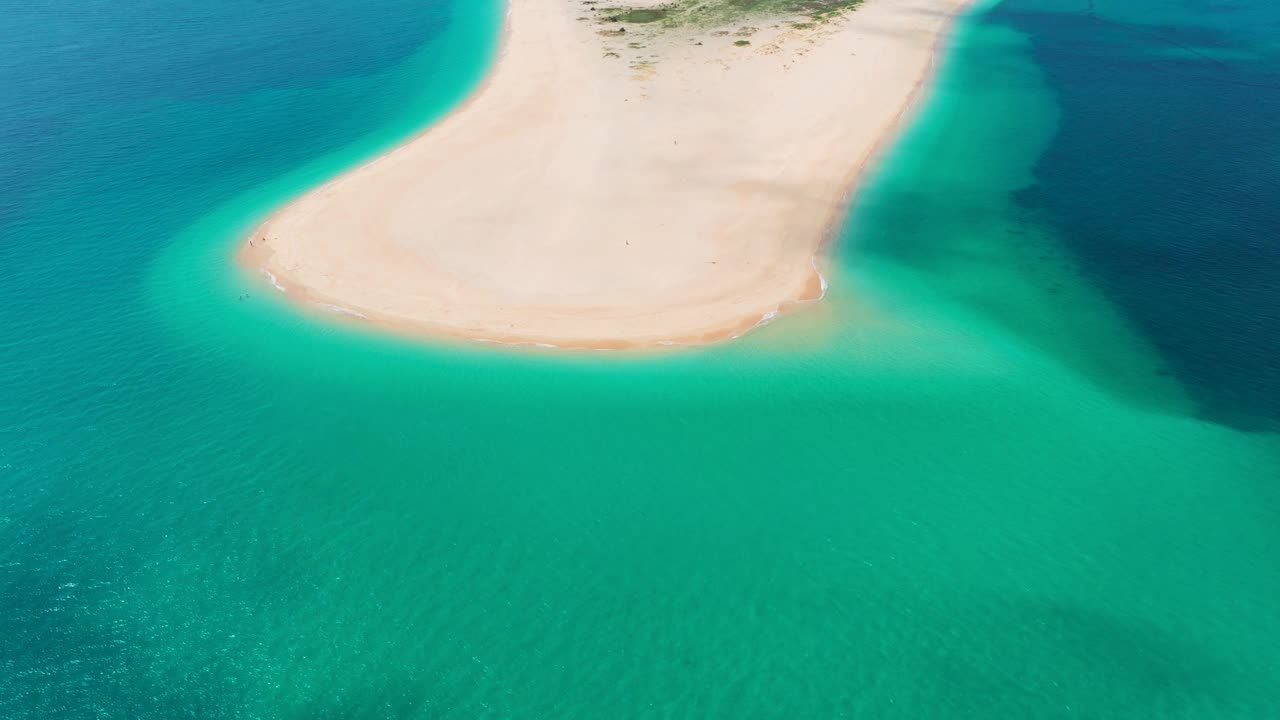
(610, 188)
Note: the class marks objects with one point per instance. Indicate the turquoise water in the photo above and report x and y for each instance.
(979, 481)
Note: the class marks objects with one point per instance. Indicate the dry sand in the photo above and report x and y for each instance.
(597, 194)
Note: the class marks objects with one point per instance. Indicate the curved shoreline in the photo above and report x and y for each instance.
(305, 253)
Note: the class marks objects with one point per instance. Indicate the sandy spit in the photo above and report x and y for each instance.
(607, 189)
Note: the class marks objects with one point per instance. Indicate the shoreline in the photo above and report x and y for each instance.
(286, 266)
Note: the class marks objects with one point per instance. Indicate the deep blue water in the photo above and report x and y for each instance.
(1164, 179)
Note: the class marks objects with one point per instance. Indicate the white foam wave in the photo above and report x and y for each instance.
(767, 318)
(822, 279)
(274, 281)
(343, 310)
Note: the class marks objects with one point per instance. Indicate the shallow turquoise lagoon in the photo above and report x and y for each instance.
(989, 477)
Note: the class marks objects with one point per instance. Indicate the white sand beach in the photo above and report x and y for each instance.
(615, 185)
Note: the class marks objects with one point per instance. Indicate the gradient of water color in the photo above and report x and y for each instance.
(984, 479)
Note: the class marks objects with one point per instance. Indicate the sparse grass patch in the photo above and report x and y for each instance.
(712, 13)
(642, 15)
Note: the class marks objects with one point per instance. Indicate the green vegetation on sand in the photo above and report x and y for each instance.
(712, 13)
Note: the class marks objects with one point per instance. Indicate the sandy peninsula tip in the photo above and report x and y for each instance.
(627, 176)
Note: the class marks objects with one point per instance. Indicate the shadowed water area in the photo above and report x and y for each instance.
(1179, 114)
(1019, 464)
